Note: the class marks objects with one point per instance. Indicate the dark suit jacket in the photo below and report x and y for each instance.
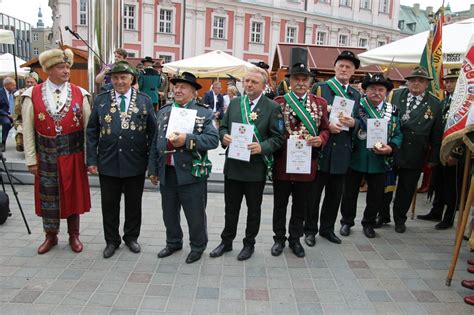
(122, 152)
(269, 123)
(336, 155)
(203, 138)
(209, 100)
(421, 132)
(4, 107)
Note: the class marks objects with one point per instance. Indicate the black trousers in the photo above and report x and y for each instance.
(447, 189)
(193, 199)
(234, 191)
(5, 130)
(111, 189)
(299, 192)
(373, 200)
(384, 211)
(406, 188)
(334, 186)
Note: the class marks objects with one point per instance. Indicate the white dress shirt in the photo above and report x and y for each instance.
(127, 95)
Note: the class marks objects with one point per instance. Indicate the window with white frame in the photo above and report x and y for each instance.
(35, 51)
(35, 37)
(218, 27)
(381, 43)
(325, 1)
(290, 34)
(365, 4)
(129, 17)
(363, 42)
(343, 40)
(344, 3)
(83, 12)
(383, 6)
(256, 32)
(321, 38)
(165, 58)
(166, 21)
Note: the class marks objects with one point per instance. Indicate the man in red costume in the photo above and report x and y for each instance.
(55, 114)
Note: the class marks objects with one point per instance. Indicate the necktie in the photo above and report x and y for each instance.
(251, 104)
(10, 102)
(169, 147)
(122, 103)
(413, 101)
(301, 99)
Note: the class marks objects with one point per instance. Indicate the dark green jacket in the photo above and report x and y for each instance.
(270, 125)
(424, 130)
(336, 154)
(149, 82)
(365, 160)
(120, 152)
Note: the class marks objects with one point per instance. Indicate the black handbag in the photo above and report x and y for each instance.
(4, 207)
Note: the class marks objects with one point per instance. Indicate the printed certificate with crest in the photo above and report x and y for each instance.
(376, 131)
(298, 156)
(242, 135)
(341, 107)
(181, 120)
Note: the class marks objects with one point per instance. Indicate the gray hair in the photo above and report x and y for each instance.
(260, 71)
(8, 80)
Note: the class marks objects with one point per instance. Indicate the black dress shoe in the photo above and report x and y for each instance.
(443, 225)
(331, 237)
(429, 217)
(165, 252)
(133, 246)
(400, 228)
(109, 250)
(245, 253)
(381, 222)
(369, 231)
(297, 249)
(277, 248)
(345, 230)
(193, 256)
(310, 240)
(220, 250)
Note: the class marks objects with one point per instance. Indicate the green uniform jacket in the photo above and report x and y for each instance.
(270, 125)
(365, 160)
(149, 82)
(423, 130)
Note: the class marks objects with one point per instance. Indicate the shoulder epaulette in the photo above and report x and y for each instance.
(103, 92)
(434, 95)
(202, 105)
(166, 105)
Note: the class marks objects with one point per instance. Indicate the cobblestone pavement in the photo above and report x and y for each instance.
(392, 273)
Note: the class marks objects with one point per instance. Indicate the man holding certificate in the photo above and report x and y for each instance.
(336, 155)
(178, 159)
(245, 176)
(378, 137)
(306, 131)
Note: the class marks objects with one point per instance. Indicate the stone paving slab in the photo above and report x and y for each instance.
(390, 274)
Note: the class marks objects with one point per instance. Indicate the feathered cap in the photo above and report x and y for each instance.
(55, 56)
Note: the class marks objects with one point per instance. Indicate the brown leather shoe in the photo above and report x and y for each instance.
(50, 241)
(469, 300)
(73, 230)
(470, 269)
(470, 261)
(468, 284)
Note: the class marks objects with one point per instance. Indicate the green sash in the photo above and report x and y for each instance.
(373, 113)
(202, 166)
(337, 88)
(302, 113)
(245, 111)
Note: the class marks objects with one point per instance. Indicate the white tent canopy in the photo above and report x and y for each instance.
(7, 67)
(213, 64)
(407, 51)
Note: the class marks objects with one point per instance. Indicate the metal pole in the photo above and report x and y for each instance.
(14, 58)
(305, 20)
(184, 29)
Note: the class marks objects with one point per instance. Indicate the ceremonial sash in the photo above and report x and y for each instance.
(202, 166)
(302, 113)
(337, 88)
(245, 111)
(373, 113)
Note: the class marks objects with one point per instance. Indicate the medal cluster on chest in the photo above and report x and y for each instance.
(293, 124)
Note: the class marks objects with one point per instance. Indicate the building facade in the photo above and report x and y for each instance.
(247, 29)
(41, 37)
(22, 31)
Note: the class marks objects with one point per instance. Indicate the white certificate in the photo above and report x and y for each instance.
(298, 157)
(181, 120)
(376, 131)
(341, 107)
(242, 135)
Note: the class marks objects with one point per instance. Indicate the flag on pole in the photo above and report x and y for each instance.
(432, 57)
(460, 122)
